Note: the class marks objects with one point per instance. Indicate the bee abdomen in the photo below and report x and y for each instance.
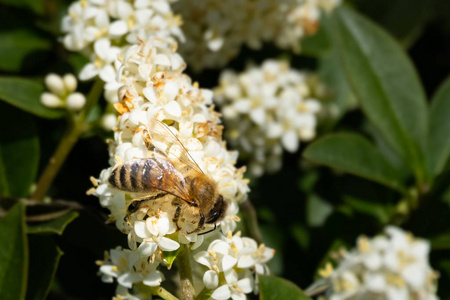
(138, 176)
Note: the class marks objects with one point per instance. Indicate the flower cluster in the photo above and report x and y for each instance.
(102, 29)
(62, 93)
(388, 267)
(155, 94)
(233, 262)
(266, 109)
(215, 30)
(128, 267)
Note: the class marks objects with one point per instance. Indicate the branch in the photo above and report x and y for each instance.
(184, 268)
(73, 133)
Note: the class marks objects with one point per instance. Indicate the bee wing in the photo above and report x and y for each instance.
(150, 176)
(167, 144)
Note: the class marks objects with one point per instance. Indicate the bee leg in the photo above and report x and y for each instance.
(147, 140)
(177, 214)
(149, 144)
(215, 225)
(136, 204)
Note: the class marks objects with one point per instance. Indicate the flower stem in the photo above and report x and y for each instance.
(74, 130)
(251, 221)
(204, 294)
(163, 293)
(184, 268)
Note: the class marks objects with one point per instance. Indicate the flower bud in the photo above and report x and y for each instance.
(307, 133)
(75, 101)
(70, 83)
(55, 84)
(108, 121)
(51, 100)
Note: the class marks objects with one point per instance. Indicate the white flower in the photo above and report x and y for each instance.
(228, 224)
(78, 24)
(267, 109)
(238, 260)
(236, 286)
(104, 55)
(119, 266)
(253, 256)
(389, 267)
(129, 267)
(219, 257)
(103, 29)
(152, 231)
(216, 30)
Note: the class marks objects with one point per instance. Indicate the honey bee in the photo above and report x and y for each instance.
(178, 185)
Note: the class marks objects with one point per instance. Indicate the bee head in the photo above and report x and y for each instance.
(217, 212)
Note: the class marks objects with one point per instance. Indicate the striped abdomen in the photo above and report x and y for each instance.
(146, 175)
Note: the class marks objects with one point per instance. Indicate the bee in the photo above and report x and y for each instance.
(177, 186)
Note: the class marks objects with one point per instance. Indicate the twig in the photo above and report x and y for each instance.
(73, 133)
(184, 268)
(163, 293)
(251, 221)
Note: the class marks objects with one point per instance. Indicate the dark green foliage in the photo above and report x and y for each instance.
(387, 149)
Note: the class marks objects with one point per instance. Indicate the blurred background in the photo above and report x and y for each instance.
(303, 210)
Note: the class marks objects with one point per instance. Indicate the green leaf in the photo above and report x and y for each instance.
(275, 288)
(16, 45)
(354, 154)
(77, 61)
(440, 242)
(386, 84)
(438, 150)
(13, 254)
(317, 210)
(301, 235)
(169, 257)
(338, 89)
(35, 5)
(44, 259)
(19, 152)
(25, 94)
(55, 226)
(317, 44)
(391, 156)
(273, 239)
(408, 27)
(381, 212)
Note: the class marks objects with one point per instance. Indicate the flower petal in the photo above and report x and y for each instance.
(210, 279)
(153, 279)
(228, 262)
(173, 108)
(141, 229)
(167, 244)
(89, 71)
(147, 248)
(203, 258)
(221, 293)
(246, 261)
(290, 141)
(118, 28)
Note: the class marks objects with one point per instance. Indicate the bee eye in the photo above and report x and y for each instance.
(218, 211)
